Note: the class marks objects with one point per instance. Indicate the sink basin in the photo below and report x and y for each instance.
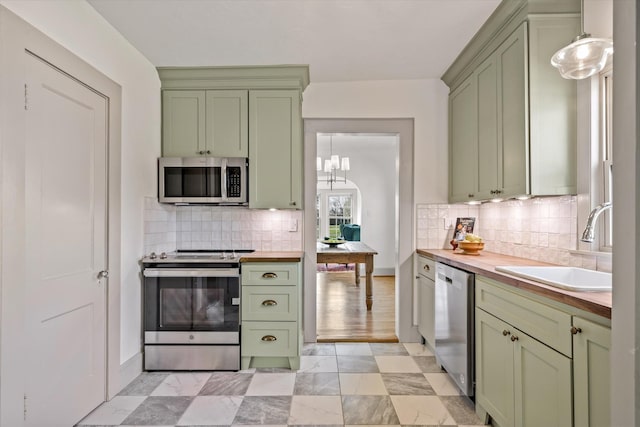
(570, 278)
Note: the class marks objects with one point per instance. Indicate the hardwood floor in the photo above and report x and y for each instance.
(342, 314)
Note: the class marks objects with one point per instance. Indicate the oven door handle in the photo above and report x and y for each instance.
(191, 272)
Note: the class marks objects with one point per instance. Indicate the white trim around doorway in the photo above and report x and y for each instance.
(404, 128)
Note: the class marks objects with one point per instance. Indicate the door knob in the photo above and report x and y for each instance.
(103, 274)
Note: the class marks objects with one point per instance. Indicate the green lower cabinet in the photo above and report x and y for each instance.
(520, 381)
(543, 384)
(494, 368)
(269, 340)
(591, 376)
(271, 332)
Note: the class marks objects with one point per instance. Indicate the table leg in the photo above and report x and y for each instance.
(357, 271)
(369, 280)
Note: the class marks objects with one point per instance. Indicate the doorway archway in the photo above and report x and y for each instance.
(403, 128)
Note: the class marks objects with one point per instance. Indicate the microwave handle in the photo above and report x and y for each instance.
(223, 165)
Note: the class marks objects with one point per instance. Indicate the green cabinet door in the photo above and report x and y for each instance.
(495, 367)
(591, 376)
(426, 311)
(227, 123)
(183, 123)
(543, 390)
(513, 155)
(486, 79)
(275, 149)
(463, 142)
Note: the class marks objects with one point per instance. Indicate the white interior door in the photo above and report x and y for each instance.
(66, 246)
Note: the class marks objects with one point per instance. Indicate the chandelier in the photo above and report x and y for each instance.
(332, 166)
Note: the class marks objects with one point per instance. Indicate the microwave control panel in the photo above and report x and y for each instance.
(233, 183)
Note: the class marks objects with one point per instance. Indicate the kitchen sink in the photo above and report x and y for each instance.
(570, 278)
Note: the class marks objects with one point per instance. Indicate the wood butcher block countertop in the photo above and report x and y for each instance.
(484, 264)
(268, 256)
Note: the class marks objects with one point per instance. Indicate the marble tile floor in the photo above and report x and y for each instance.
(337, 384)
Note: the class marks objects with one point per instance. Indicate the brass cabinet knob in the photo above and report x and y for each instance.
(269, 276)
(292, 203)
(201, 152)
(269, 302)
(575, 330)
(505, 333)
(269, 338)
(471, 195)
(514, 338)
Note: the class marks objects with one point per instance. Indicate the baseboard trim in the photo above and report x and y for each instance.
(130, 369)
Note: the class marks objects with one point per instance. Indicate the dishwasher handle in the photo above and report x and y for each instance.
(445, 279)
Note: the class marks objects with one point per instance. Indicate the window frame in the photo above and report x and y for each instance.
(323, 213)
(605, 143)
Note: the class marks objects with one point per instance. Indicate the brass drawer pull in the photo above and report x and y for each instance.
(269, 338)
(269, 276)
(426, 267)
(269, 302)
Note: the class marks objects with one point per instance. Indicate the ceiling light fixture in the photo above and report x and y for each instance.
(585, 56)
(332, 165)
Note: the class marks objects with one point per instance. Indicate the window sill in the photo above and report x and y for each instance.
(591, 253)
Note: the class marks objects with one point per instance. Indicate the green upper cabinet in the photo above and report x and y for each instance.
(183, 123)
(520, 125)
(513, 139)
(463, 146)
(252, 111)
(205, 123)
(275, 144)
(487, 130)
(227, 123)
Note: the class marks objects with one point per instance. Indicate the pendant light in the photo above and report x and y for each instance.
(585, 56)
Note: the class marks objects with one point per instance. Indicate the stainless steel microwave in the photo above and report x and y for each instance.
(203, 180)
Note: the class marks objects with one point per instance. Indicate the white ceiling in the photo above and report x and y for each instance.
(341, 40)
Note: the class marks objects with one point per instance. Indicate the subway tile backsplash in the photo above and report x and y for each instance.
(543, 229)
(169, 227)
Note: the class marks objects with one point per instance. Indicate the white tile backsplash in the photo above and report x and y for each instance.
(169, 227)
(543, 229)
(159, 226)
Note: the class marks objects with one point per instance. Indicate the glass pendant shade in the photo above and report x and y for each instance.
(583, 58)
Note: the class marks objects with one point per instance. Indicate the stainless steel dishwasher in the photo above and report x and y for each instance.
(454, 307)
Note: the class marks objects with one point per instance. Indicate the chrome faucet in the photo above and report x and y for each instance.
(588, 234)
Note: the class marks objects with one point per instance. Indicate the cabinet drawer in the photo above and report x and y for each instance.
(427, 267)
(282, 274)
(269, 303)
(546, 324)
(269, 339)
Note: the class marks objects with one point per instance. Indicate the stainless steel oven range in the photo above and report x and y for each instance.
(191, 310)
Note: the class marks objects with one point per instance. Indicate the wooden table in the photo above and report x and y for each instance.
(351, 252)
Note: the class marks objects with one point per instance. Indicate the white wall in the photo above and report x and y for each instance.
(373, 161)
(423, 100)
(78, 27)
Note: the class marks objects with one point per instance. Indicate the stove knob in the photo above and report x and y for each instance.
(163, 255)
(153, 255)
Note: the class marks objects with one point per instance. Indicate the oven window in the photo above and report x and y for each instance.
(192, 304)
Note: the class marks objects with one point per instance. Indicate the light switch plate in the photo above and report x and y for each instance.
(293, 225)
